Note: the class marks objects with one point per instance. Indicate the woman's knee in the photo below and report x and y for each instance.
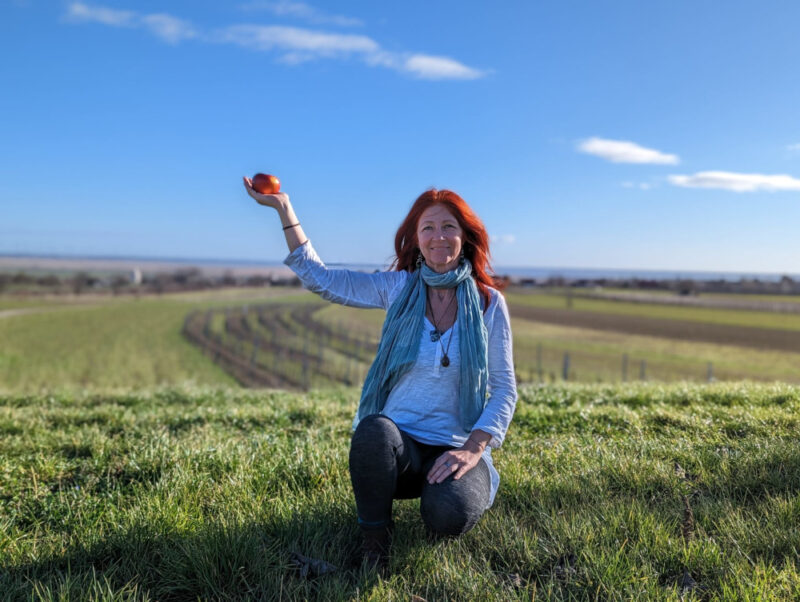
(376, 429)
(454, 507)
(373, 435)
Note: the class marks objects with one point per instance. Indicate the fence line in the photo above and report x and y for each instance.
(287, 346)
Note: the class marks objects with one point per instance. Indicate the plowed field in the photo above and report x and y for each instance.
(742, 336)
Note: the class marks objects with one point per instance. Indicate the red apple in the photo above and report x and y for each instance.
(266, 184)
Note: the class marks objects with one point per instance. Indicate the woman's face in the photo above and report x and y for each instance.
(440, 238)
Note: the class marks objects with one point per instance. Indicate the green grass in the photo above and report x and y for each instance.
(179, 494)
(124, 342)
(759, 319)
(118, 342)
(597, 356)
(9, 302)
(704, 295)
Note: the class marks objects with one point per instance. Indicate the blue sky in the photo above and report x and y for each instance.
(585, 134)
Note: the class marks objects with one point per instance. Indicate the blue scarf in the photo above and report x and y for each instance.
(399, 346)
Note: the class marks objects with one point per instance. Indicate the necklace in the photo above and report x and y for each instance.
(436, 334)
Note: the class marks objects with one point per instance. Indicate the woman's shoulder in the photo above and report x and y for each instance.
(495, 297)
(497, 305)
(396, 279)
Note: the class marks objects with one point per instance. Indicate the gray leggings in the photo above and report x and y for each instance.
(387, 464)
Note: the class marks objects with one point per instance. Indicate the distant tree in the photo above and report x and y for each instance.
(160, 283)
(118, 283)
(21, 278)
(50, 281)
(228, 279)
(186, 276)
(80, 282)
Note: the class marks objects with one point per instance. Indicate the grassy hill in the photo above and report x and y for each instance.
(608, 492)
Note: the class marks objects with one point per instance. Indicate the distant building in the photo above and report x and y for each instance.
(136, 276)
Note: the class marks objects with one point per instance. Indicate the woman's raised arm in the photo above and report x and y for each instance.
(280, 202)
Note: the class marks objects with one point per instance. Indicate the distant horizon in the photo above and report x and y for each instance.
(518, 270)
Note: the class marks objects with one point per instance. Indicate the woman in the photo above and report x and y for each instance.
(425, 425)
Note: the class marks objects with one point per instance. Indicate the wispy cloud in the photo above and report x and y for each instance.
(293, 45)
(78, 11)
(426, 66)
(168, 28)
(302, 11)
(298, 45)
(623, 151)
(296, 40)
(737, 182)
(793, 147)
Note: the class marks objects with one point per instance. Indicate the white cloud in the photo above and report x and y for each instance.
(622, 151)
(503, 239)
(793, 147)
(737, 182)
(300, 45)
(78, 11)
(301, 10)
(169, 28)
(295, 39)
(438, 67)
(295, 45)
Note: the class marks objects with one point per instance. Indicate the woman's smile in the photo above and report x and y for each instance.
(440, 238)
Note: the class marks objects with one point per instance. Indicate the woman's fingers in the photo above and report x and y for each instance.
(462, 470)
(443, 467)
(450, 464)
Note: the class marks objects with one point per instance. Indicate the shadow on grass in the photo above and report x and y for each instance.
(216, 561)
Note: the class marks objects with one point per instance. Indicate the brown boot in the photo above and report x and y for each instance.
(375, 546)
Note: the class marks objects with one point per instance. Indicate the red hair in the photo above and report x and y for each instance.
(475, 239)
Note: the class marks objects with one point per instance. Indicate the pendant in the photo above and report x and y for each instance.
(445, 360)
(435, 335)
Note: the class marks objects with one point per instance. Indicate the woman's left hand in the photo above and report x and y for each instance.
(458, 461)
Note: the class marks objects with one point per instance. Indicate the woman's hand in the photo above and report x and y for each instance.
(276, 201)
(458, 461)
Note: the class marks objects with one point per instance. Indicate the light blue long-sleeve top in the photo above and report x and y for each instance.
(425, 402)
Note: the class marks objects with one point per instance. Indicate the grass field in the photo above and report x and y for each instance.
(597, 355)
(733, 296)
(124, 342)
(112, 342)
(134, 468)
(608, 492)
(729, 317)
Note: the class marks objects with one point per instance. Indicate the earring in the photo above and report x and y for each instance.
(419, 260)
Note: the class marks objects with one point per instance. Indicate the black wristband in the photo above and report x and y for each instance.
(291, 226)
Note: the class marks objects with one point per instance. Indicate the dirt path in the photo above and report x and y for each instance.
(741, 336)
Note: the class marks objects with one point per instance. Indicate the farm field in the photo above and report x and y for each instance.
(706, 295)
(307, 343)
(727, 317)
(110, 342)
(647, 492)
(597, 355)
